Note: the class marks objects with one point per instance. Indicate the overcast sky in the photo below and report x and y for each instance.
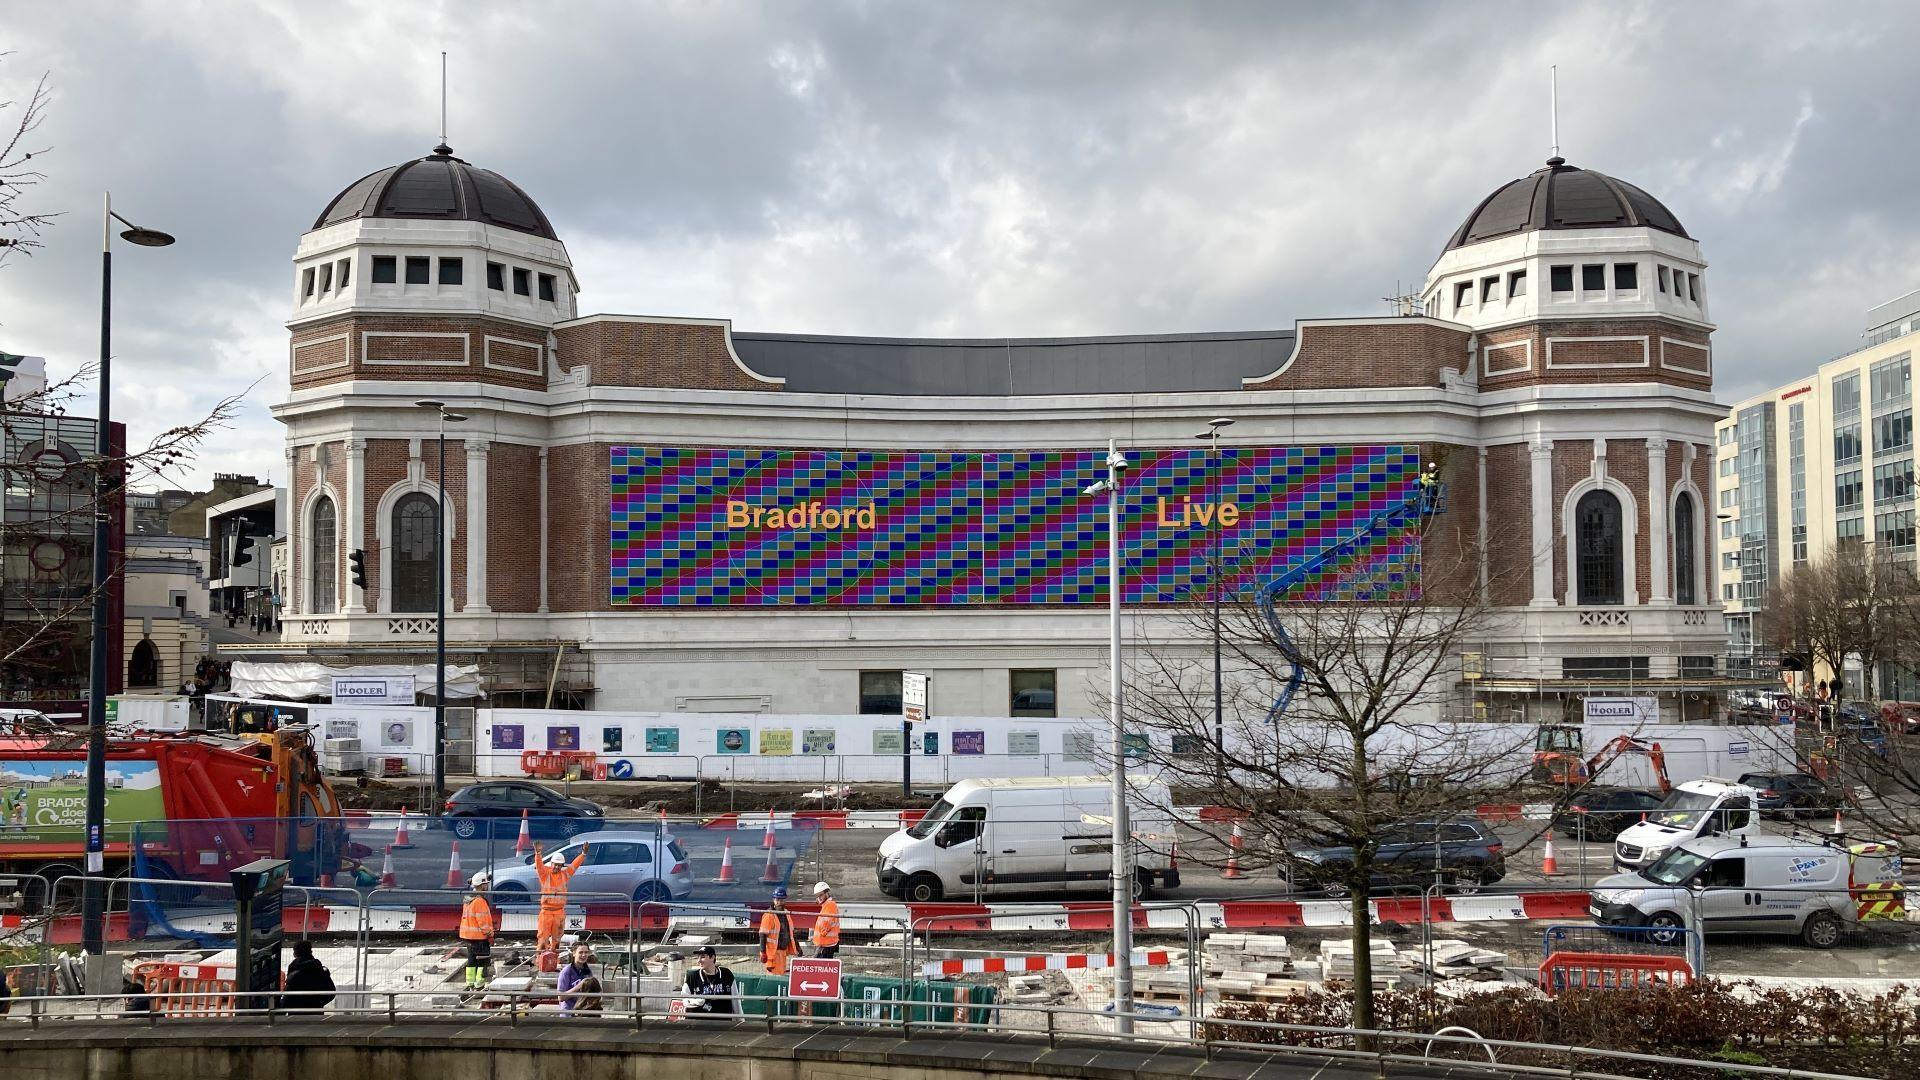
(950, 169)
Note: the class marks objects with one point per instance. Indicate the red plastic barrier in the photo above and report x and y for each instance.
(1610, 971)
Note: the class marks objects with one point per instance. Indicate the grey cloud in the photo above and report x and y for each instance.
(982, 169)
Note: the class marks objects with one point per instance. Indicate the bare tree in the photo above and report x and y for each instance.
(1371, 743)
(20, 227)
(1841, 605)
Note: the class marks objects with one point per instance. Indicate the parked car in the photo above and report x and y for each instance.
(494, 808)
(1600, 813)
(1461, 853)
(1793, 794)
(649, 866)
(1857, 712)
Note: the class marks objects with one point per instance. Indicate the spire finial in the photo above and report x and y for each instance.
(1553, 111)
(443, 148)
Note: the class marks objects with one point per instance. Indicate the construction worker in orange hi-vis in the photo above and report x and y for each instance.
(777, 939)
(476, 930)
(555, 872)
(826, 925)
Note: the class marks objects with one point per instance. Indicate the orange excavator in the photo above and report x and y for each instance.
(1556, 757)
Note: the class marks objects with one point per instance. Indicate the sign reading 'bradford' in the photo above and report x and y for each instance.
(712, 527)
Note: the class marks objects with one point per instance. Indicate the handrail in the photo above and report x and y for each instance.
(514, 1005)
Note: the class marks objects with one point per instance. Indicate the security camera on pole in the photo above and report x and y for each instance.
(1122, 832)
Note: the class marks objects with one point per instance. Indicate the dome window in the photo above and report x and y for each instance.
(521, 282)
(326, 278)
(385, 270)
(1462, 295)
(453, 271)
(496, 277)
(1626, 277)
(306, 283)
(343, 273)
(1516, 284)
(1593, 277)
(1663, 279)
(546, 287)
(1489, 289)
(417, 269)
(1560, 279)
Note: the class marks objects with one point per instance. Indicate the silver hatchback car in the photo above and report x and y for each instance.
(619, 864)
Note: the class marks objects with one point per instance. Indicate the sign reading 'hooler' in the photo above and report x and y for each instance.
(712, 527)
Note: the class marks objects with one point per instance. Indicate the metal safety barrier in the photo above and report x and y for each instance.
(1053, 1025)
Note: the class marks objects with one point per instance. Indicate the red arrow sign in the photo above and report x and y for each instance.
(811, 977)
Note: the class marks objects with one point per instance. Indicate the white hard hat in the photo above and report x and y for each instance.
(556, 859)
(481, 880)
(820, 887)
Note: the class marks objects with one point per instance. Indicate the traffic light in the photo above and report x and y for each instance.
(357, 567)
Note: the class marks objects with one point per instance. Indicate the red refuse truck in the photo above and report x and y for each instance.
(198, 804)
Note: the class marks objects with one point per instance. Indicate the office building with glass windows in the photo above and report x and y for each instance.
(1813, 465)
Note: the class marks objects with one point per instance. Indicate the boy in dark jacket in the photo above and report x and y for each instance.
(310, 975)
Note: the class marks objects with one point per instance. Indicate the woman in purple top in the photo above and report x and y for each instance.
(573, 974)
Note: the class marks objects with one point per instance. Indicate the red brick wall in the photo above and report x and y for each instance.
(579, 502)
(1617, 355)
(1627, 463)
(1390, 352)
(679, 355)
(1510, 523)
(311, 347)
(513, 527)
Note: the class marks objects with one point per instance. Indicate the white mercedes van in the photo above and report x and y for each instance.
(1707, 807)
(1757, 884)
(1041, 835)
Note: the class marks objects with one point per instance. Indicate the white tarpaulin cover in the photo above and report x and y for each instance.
(298, 681)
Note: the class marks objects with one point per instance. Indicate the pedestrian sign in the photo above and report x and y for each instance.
(913, 695)
(813, 978)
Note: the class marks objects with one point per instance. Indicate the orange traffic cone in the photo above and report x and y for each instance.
(1549, 865)
(1173, 864)
(1234, 846)
(387, 880)
(767, 840)
(771, 875)
(726, 864)
(453, 868)
(1838, 828)
(525, 843)
(401, 841)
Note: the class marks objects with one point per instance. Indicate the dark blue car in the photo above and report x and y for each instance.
(1462, 854)
(493, 808)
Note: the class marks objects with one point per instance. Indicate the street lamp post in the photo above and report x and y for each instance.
(1212, 435)
(1122, 830)
(93, 897)
(440, 606)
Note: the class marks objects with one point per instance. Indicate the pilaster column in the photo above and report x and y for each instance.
(476, 527)
(290, 603)
(356, 518)
(1541, 452)
(1661, 588)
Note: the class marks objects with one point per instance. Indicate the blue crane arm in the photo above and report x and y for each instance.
(1427, 498)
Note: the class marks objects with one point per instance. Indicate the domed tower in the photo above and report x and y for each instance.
(1570, 275)
(430, 279)
(1587, 301)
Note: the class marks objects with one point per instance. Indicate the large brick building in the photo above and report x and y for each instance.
(619, 495)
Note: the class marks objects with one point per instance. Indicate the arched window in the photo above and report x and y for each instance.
(324, 556)
(143, 669)
(413, 553)
(1685, 551)
(1598, 548)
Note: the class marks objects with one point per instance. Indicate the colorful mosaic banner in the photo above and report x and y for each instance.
(763, 527)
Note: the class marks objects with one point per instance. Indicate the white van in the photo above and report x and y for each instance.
(1756, 885)
(1707, 807)
(1042, 835)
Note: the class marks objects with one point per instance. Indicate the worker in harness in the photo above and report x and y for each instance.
(777, 940)
(476, 930)
(555, 873)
